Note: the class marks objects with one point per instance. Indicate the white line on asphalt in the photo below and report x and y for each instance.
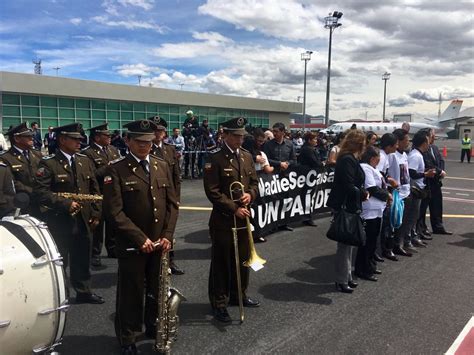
(458, 178)
(456, 189)
(459, 194)
(458, 199)
(446, 192)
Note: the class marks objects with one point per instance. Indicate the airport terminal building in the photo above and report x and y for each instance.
(54, 101)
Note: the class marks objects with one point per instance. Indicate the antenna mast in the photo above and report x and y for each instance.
(37, 63)
(439, 106)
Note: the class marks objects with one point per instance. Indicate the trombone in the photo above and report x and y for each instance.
(254, 261)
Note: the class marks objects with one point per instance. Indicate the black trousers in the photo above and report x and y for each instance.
(365, 263)
(222, 276)
(137, 295)
(189, 164)
(98, 239)
(467, 153)
(435, 203)
(387, 239)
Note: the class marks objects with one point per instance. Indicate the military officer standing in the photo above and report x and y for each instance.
(101, 153)
(167, 152)
(141, 206)
(22, 160)
(70, 221)
(228, 164)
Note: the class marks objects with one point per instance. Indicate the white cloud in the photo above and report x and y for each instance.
(279, 18)
(129, 24)
(144, 4)
(83, 37)
(76, 21)
(135, 69)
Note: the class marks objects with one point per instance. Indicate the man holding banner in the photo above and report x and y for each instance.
(225, 166)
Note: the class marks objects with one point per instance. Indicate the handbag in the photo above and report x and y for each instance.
(396, 210)
(418, 193)
(347, 228)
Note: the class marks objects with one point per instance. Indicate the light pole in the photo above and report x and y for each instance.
(306, 56)
(331, 24)
(57, 69)
(385, 77)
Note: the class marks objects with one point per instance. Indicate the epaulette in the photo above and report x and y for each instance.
(84, 149)
(244, 150)
(157, 157)
(47, 157)
(214, 151)
(81, 155)
(117, 160)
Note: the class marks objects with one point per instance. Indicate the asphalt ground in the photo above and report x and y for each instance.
(418, 306)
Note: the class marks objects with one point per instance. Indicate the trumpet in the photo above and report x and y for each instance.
(254, 261)
(79, 198)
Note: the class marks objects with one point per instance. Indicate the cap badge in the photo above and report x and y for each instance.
(144, 124)
(240, 122)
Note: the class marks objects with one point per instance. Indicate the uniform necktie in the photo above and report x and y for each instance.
(144, 165)
(104, 149)
(237, 158)
(26, 155)
(73, 169)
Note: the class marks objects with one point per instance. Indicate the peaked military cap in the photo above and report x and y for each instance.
(20, 130)
(160, 122)
(101, 129)
(235, 125)
(142, 130)
(73, 130)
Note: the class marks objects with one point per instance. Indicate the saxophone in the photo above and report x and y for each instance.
(169, 299)
(79, 198)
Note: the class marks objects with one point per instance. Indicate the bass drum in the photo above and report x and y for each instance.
(33, 299)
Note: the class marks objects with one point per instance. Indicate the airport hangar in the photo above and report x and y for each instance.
(55, 101)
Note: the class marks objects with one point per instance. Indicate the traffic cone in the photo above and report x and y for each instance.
(472, 153)
(445, 152)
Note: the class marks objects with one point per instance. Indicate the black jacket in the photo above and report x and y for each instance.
(309, 156)
(433, 159)
(348, 186)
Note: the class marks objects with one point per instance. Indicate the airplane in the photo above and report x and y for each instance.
(442, 125)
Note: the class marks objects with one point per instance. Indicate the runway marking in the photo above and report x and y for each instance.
(469, 216)
(194, 208)
(446, 192)
(457, 189)
(459, 178)
(464, 343)
(460, 194)
(458, 199)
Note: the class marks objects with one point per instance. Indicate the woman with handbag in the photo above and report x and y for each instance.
(372, 212)
(345, 199)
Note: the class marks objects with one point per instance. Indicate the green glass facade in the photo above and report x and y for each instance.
(56, 110)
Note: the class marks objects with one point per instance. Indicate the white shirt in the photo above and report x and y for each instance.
(68, 157)
(416, 162)
(383, 163)
(3, 142)
(373, 207)
(398, 170)
(237, 152)
(260, 166)
(139, 160)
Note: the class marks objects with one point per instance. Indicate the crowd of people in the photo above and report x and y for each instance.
(143, 167)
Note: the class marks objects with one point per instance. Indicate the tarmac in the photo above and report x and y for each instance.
(418, 306)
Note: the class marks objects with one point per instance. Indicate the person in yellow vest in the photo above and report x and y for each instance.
(466, 148)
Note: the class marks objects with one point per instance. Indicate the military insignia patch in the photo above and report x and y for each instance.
(208, 166)
(145, 124)
(240, 122)
(40, 172)
(107, 180)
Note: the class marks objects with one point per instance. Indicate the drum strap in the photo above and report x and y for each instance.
(24, 237)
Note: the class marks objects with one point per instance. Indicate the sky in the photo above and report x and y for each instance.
(253, 48)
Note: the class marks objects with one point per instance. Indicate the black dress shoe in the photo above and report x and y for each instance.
(286, 228)
(378, 258)
(426, 232)
(310, 223)
(389, 255)
(442, 231)
(352, 284)
(418, 243)
(175, 270)
(222, 315)
(96, 262)
(260, 240)
(426, 237)
(344, 288)
(378, 272)
(247, 302)
(401, 251)
(367, 277)
(129, 350)
(89, 298)
(410, 248)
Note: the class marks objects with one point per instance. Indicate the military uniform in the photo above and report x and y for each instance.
(7, 190)
(23, 163)
(101, 156)
(222, 169)
(71, 233)
(139, 203)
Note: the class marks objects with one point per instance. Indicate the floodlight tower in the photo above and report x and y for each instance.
(385, 77)
(331, 22)
(37, 63)
(306, 56)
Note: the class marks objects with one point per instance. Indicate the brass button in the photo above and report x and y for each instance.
(131, 189)
(154, 198)
(156, 220)
(151, 187)
(155, 209)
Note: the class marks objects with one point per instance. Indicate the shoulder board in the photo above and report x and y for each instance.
(117, 160)
(2, 164)
(47, 157)
(216, 150)
(81, 155)
(244, 150)
(156, 157)
(85, 149)
(166, 143)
